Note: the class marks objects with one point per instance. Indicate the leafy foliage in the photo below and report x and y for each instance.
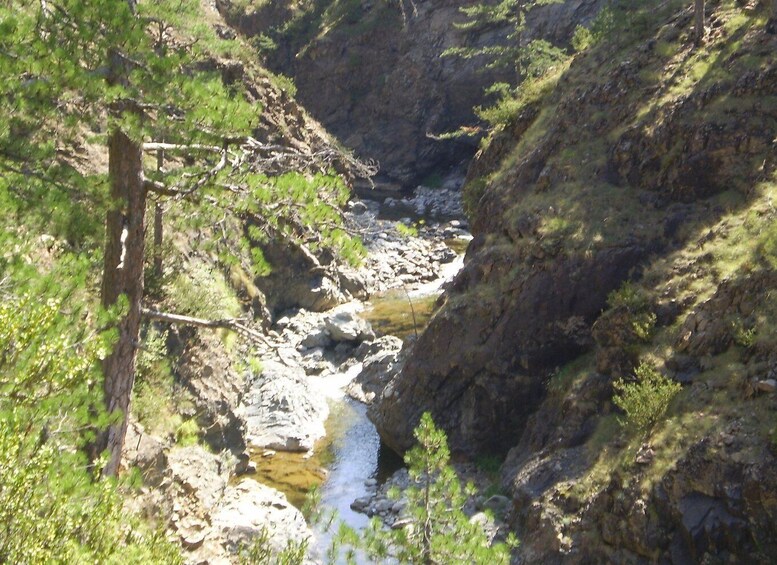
(202, 292)
(636, 302)
(645, 400)
(262, 552)
(51, 508)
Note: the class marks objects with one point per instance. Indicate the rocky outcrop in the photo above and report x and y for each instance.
(300, 279)
(215, 520)
(382, 360)
(373, 74)
(480, 367)
(629, 175)
(529, 294)
(282, 411)
(249, 510)
(206, 369)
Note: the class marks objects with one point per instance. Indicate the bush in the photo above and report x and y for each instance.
(646, 399)
(261, 552)
(406, 231)
(203, 293)
(636, 301)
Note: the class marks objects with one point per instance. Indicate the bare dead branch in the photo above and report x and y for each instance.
(235, 324)
(155, 146)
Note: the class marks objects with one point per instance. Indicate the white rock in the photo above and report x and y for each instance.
(282, 411)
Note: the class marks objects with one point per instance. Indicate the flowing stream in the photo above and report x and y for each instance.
(351, 458)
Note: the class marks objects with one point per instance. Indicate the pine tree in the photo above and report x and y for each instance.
(515, 53)
(138, 72)
(439, 531)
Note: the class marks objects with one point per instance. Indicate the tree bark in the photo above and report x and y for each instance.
(158, 227)
(122, 275)
(699, 21)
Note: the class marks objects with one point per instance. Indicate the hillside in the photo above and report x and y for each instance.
(622, 215)
(234, 179)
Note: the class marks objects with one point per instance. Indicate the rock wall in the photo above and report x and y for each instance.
(375, 77)
(650, 162)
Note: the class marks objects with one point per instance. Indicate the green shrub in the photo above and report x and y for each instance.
(646, 399)
(744, 337)
(188, 433)
(636, 301)
(405, 230)
(582, 39)
(261, 552)
(202, 292)
(284, 83)
(629, 296)
(511, 102)
(490, 464)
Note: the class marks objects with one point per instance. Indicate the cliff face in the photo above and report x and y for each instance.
(373, 74)
(650, 161)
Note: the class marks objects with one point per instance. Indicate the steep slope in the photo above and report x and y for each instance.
(373, 74)
(653, 162)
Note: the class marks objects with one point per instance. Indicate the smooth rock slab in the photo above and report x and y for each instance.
(282, 411)
(250, 507)
(347, 326)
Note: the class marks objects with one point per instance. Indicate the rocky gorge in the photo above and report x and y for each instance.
(373, 73)
(217, 503)
(621, 217)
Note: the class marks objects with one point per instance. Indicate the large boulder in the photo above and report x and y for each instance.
(216, 520)
(349, 327)
(282, 410)
(146, 452)
(382, 360)
(249, 510)
(299, 279)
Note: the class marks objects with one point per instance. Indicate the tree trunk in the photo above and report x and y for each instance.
(158, 226)
(122, 275)
(699, 21)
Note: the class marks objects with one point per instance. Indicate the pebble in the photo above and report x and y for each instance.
(383, 506)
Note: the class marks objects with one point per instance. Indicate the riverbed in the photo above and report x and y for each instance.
(350, 462)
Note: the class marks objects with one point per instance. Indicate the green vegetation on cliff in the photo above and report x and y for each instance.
(51, 509)
(673, 151)
(623, 219)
